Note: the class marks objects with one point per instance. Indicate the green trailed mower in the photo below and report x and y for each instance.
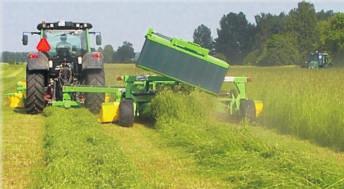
(177, 63)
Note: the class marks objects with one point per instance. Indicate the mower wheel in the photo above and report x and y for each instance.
(94, 101)
(247, 110)
(34, 102)
(126, 113)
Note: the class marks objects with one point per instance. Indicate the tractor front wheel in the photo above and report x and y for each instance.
(35, 102)
(126, 113)
(94, 101)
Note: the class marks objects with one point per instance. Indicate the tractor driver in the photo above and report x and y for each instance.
(63, 43)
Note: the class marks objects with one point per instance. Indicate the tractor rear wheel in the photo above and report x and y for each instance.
(126, 113)
(248, 110)
(35, 102)
(94, 101)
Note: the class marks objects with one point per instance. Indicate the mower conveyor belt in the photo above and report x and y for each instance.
(183, 61)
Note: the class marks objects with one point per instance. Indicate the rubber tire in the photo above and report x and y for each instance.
(126, 113)
(248, 110)
(94, 101)
(34, 102)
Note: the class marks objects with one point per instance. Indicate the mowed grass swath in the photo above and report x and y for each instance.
(306, 103)
(78, 154)
(236, 154)
(22, 135)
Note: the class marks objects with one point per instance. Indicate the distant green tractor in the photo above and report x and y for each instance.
(318, 60)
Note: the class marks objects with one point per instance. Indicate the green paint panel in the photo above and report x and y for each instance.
(192, 67)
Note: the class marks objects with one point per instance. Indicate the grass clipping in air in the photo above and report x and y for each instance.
(80, 155)
(234, 153)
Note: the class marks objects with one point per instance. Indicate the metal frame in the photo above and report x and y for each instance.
(238, 95)
(141, 90)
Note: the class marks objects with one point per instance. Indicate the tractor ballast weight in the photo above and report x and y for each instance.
(41, 62)
(183, 61)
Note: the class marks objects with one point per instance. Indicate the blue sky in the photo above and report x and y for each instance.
(129, 20)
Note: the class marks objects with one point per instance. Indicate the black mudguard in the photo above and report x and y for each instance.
(90, 63)
(39, 63)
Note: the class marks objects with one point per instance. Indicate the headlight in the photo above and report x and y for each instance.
(62, 23)
(79, 60)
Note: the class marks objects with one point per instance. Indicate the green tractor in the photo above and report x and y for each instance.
(64, 57)
(318, 60)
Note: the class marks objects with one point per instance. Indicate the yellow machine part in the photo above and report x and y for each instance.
(259, 107)
(107, 98)
(109, 112)
(16, 100)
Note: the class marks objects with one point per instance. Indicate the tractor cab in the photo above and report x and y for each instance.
(64, 39)
(318, 60)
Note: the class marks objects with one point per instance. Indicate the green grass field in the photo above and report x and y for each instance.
(305, 103)
(187, 147)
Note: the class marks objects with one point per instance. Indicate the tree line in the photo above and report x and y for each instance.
(275, 39)
(124, 54)
(13, 57)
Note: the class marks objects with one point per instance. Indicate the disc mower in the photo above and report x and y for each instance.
(77, 77)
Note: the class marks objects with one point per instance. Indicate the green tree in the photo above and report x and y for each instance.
(268, 25)
(202, 36)
(324, 15)
(13, 57)
(323, 28)
(235, 37)
(302, 22)
(280, 49)
(332, 35)
(108, 54)
(125, 53)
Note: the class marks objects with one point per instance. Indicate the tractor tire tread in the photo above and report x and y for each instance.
(94, 101)
(126, 113)
(35, 102)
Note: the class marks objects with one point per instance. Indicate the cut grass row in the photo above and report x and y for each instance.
(22, 135)
(236, 154)
(78, 154)
(24, 164)
(161, 166)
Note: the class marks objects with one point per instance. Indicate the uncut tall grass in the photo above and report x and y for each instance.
(302, 102)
